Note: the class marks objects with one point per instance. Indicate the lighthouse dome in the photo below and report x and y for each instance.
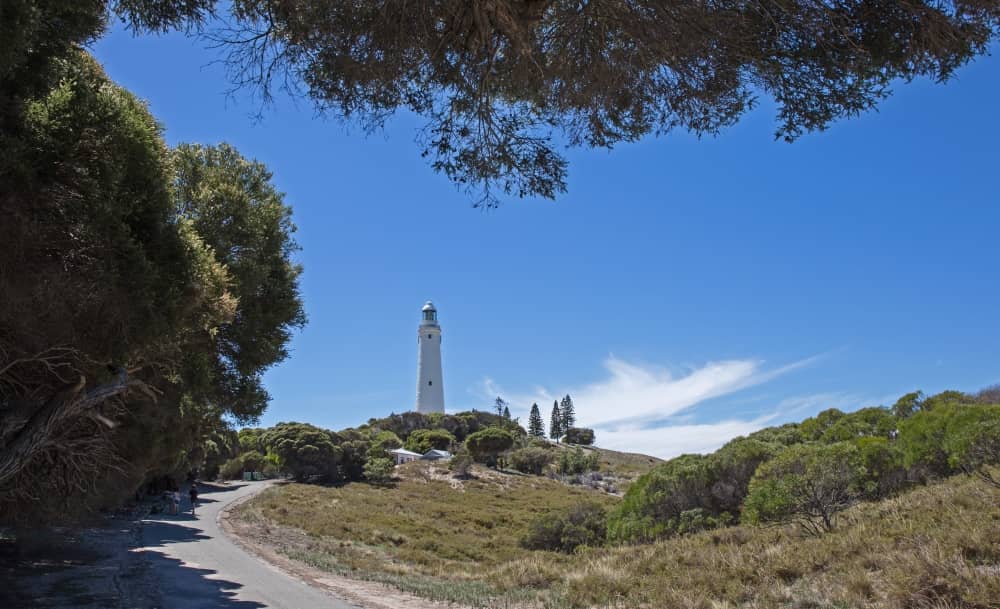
(428, 306)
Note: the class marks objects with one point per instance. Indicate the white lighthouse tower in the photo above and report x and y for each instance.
(430, 385)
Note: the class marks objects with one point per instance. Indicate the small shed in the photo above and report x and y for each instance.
(436, 455)
(404, 456)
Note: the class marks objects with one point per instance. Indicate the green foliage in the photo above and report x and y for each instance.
(461, 463)
(579, 435)
(783, 435)
(875, 422)
(807, 484)
(530, 460)
(813, 428)
(238, 213)
(253, 461)
(567, 414)
(576, 461)
(459, 425)
(305, 451)
(232, 469)
(487, 444)
(555, 423)
(379, 470)
(566, 530)
(423, 440)
(690, 491)
(908, 405)
(383, 442)
(885, 472)
(536, 427)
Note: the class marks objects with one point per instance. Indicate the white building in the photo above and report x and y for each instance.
(401, 455)
(430, 385)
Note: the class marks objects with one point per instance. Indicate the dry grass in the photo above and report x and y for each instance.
(936, 547)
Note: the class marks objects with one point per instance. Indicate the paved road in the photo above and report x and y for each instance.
(198, 567)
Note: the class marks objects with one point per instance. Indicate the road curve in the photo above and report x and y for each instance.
(194, 565)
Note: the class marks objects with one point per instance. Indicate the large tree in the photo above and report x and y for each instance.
(503, 83)
(567, 413)
(536, 427)
(555, 422)
(145, 293)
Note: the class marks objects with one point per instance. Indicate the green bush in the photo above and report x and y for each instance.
(379, 470)
(579, 435)
(807, 484)
(885, 473)
(461, 463)
(487, 444)
(232, 469)
(423, 440)
(530, 460)
(874, 422)
(576, 461)
(566, 530)
(690, 492)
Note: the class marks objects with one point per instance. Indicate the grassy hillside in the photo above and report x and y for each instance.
(935, 546)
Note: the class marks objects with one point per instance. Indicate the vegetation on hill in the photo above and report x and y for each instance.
(845, 498)
(934, 546)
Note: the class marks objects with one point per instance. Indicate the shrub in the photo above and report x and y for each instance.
(868, 422)
(885, 474)
(305, 451)
(231, 469)
(566, 530)
(378, 470)
(485, 445)
(579, 435)
(461, 463)
(423, 440)
(253, 461)
(807, 484)
(577, 462)
(530, 460)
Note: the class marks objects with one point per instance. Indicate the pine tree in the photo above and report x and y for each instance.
(567, 414)
(536, 427)
(555, 423)
(506, 412)
(499, 404)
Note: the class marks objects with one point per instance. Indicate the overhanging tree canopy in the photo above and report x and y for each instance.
(500, 81)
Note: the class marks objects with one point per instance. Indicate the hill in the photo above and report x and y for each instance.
(934, 546)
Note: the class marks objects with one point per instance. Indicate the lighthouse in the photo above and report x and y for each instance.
(430, 385)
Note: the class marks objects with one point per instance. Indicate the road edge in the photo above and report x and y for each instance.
(363, 594)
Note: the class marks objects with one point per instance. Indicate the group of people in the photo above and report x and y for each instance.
(172, 498)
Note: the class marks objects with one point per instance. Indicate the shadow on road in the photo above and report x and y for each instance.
(192, 587)
(158, 533)
(182, 584)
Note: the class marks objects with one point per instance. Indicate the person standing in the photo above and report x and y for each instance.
(193, 493)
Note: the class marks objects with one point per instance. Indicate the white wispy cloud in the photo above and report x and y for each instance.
(628, 407)
(672, 440)
(632, 394)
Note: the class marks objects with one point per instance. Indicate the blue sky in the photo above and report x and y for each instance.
(684, 291)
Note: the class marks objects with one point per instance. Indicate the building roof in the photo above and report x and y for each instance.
(403, 451)
(437, 454)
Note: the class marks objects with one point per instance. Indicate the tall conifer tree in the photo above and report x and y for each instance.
(506, 412)
(536, 427)
(555, 423)
(567, 414)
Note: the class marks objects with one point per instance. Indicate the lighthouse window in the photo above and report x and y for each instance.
(429, 383)
(429, 337)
